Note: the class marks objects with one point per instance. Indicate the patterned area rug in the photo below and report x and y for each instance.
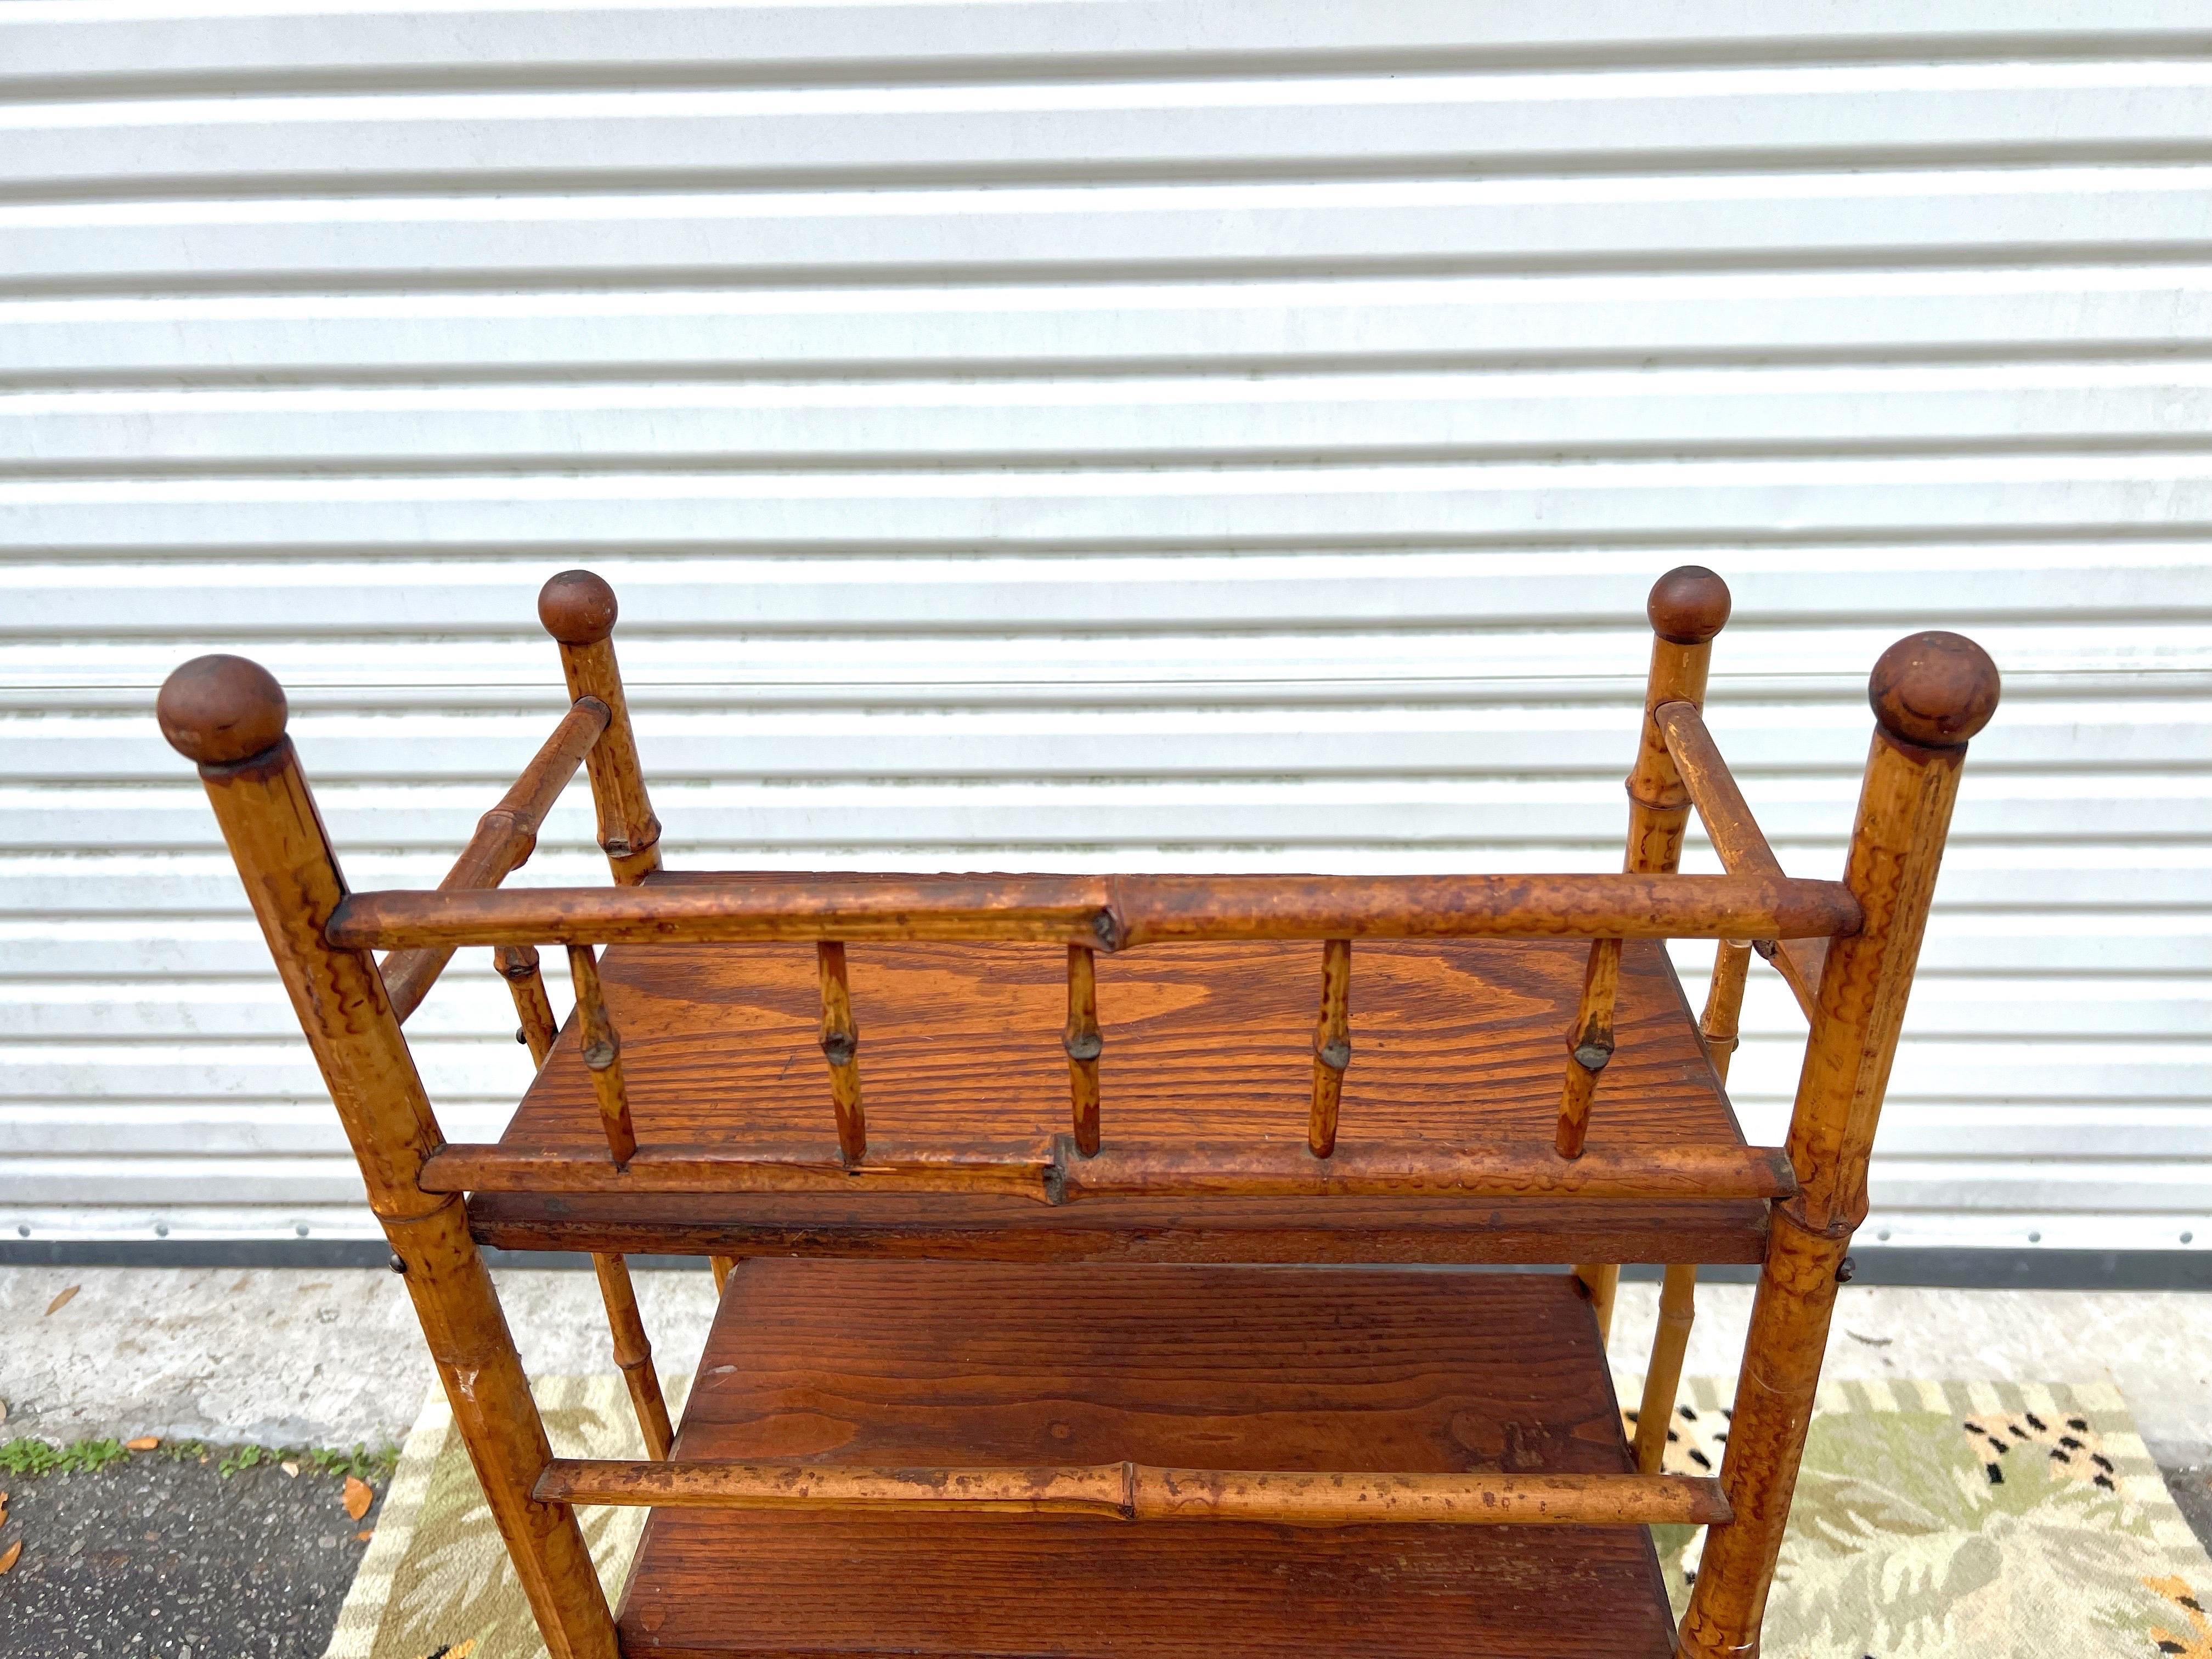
(1933, 1521)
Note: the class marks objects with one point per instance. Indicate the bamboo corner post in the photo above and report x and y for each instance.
(1687, 608)
(228, 716)
(578, 610)
(1930, 694)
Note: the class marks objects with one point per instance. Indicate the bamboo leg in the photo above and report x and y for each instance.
(1601, 1280)
(841, 1047)
(633, 1353)
(578, 610)
(1662, 1379)
(1687, 608)
(1930, 694)
(1084, 1043)
(602, 1053)
(1678, 1296)
(228, 715)
(1331, 1046)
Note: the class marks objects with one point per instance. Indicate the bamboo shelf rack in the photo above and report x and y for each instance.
(1008, 1116)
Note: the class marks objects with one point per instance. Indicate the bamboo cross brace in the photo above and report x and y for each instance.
(1140, 1491)
(841, 1047)
(1736, 836)
(1084, 1044)
(518, 966)
(602, 1053)
(1331, 1046)
(505, 838)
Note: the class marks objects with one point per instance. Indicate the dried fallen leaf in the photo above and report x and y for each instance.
(8, 1556)
(359, 1494)
(363, 1537)
(63, 1300)
(143, 1442)
(4, 1508)
(290, 1469)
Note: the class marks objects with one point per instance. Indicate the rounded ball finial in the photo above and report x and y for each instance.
(216, 710)
(1934, 689)
(577, 608)
(1688, 605)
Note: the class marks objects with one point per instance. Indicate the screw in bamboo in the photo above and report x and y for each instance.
(1687, 608)
(1331, 1046)
(841, 1047)
(1084, 1043)
(578, 610)
(228, 715)
(518, 965)
(600, 1047)
(633, 1353)
(1930, 694)
(1677, 1292)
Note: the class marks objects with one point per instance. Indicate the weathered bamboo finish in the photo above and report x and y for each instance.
(518, 965)
(228, 715)
(600, 1045)
(1930, 694)
(1084, 1043)
(578, 610)
(1590, 1046)
(1331, 1046)
(1056, 1173)
(1140, 1491)
(1114, 912)
(840, 1047)
(633, 1353)
(1718, 1024)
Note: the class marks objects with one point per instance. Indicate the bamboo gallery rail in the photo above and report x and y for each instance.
(1140, 1491)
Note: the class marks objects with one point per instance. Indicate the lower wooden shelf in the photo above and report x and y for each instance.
(910, 1363)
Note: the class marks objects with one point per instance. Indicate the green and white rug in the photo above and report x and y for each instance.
(1933, 1521)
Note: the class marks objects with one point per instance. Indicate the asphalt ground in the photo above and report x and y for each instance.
(155, 1559)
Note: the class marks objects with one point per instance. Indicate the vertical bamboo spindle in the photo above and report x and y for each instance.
(228, 715)
(518, 966)
(1331, 1046)
(841, 1047)
(722, 1267)
(602, 1053)
(1084, 1044)
(1678, 1296)
(578, 610)
(1687, 606)
(1930, 694)
(633, 1353)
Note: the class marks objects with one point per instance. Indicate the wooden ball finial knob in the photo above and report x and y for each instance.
(577, 608)
(216, 710)
(1934, 689)
(1688, 605)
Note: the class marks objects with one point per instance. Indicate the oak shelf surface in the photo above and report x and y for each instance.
(1241, 1368)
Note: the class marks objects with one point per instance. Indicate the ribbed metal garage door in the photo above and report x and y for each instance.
(1104, 434)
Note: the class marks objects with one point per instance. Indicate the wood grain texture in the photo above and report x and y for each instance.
(1459, 1046)
(985, 1227)
(1295, 1370)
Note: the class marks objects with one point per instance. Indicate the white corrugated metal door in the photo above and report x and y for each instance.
(1098, 433)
